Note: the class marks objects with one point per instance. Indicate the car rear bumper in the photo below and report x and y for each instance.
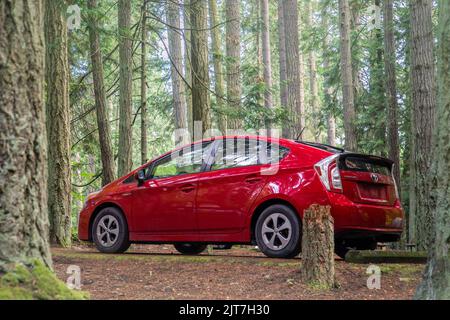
(357, 220)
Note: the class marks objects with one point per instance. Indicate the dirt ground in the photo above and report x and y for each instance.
(159, 272)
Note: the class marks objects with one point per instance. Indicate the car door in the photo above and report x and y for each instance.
(227, 190)
(164, 203)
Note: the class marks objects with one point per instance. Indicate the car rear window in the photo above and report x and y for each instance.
(366, 165)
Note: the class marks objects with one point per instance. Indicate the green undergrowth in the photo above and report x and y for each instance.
(35, 282)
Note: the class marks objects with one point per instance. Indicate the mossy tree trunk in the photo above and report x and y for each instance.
(286, 130)
(233, 61)
(24, 221)
(219, 85)
(199, 63)
(104, 131)
(423, 122)
(391, 89)
(347, 77)
(144, 147)
(58, 122)
(125, 87)
(294, 69)
(176, 66)
(436, 281)
(318, 247)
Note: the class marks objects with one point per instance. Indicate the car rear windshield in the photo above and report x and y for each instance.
(366, 165)
(322, 146)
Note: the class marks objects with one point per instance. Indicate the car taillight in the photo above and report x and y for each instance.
(397, 195)
(328, 172)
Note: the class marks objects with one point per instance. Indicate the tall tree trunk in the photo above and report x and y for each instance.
(24, 221)
(58, 122)
(436, 282)
(199, 64)
(144, 151)
(331, 122)
(267, 61)
(391, 89)
(125, 88)
(377, 92)
(293, 68)
(313, 84)
(423, 121)
(347, 76)
(179, 102)
(286, 130)
(217, 55)
(233, 43)
(100, 98)
(187, 62)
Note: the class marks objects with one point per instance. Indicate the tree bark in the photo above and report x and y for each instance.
(347, 76)
(318, 247)
(286, 130)
(331, 122)
(313, 84)
(267, 60)
(104, 132)
(199, 64)
(144, 148)
(58, 123)
(294, 69)
(436, 280)
(125, 88)
(233, 46)
(423, 122)
(24, 222)
(176, 68)
(187, 62)
(216, 41)
(391, 89)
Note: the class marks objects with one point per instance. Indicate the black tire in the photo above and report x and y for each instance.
(275, 248)
(341, 250)
(342, 247)
(190, 248)
(119, 242)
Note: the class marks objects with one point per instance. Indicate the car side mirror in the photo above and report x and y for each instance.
(140, 177)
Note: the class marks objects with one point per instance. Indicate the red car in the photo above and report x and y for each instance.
(245, 190)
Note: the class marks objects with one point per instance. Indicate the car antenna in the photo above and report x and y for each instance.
(300, 134)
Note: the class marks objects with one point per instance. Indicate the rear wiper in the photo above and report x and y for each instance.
(322, 146)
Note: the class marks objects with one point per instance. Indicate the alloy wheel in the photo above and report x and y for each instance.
(108, 230)
(276, 231)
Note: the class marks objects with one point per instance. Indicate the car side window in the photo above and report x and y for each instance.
(240, 152)
(187, 160)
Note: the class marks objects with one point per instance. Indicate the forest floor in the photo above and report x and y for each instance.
(159, 272)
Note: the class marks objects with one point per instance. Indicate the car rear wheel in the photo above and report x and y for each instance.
(190, 248)
(110, 231)
(278, 232)
(342, 247)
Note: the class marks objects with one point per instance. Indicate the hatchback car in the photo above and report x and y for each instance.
(245, 190)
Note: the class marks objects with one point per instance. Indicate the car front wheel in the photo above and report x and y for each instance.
(110, 231)
(278, 232)
(190, 248)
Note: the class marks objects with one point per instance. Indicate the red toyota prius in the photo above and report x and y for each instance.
(245, 190)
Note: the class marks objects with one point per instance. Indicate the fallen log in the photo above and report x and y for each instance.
(389, 256)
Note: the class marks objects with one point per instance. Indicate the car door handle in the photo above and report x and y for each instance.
(187, 188)
(252, 179)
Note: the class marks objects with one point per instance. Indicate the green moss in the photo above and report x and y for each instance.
(35, 282)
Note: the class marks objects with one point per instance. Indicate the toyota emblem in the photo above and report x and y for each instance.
(374, 177)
